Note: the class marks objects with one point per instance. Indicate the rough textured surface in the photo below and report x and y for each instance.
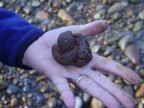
(72, 49)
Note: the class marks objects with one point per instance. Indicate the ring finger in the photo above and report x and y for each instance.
(89, 86)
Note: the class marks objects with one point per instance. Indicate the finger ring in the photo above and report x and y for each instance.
(79, 78)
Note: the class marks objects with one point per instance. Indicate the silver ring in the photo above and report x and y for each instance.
(79, 78)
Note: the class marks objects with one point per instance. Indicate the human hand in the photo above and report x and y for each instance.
(39, 56)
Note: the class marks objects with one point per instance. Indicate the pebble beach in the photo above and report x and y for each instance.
(123, 42)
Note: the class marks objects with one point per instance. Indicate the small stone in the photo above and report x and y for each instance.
(38, 98)
(26, 88)
(24, 99)
(139, 44)
(15, 80)
(35, 3)
(96, 104)
(79, 102)
(34, 84)
(119, 6)
(140, 105)
(140, 91)
(68, 1)
(1, 106)
(99, 7)
(142, 100)
(33, 72)
(13, 102)
(44, 106)
(129, 90)
(42, 15)
(130, 26)
(118, 81)
(12, 89)
(72, 86)
(27, 9)
(46, 95)
(108, 51)
(141, 15)
(65, 17)
(129, 12)
(125, 61)
(29, 102)
(140, 34)
(97, 16)
(56, 4)
(44, 88)
(52, 102)
(116, 16)
(25, 75)
(92, 43)
(118, 36)
(44, 23)
(111, 77)
(96, 48)
(104, 1)
(138, 26)
(123, 42)
(2, 85)
(86, 97)
(1, 4)
(21, 71)
(41, 77)
(133, 53)
(5, 102)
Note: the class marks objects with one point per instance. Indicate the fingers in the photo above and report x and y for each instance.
(64, 90)
(90, 87)
(91, 28)
(109, 86)
(110, 66)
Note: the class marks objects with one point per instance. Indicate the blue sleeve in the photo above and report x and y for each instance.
(16, 35)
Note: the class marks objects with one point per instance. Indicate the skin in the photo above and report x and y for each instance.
(39, 56)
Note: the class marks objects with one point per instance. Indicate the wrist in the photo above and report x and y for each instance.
(21, 59)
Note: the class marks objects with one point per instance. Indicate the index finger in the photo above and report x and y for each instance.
(91, 28)
(112, 67)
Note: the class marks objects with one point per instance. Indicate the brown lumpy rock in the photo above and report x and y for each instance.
(72, 49)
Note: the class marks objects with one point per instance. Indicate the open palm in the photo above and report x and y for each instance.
(39, 56)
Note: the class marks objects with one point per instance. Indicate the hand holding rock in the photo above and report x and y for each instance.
(72, 49)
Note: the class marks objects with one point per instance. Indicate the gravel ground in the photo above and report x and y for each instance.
(122, 42)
